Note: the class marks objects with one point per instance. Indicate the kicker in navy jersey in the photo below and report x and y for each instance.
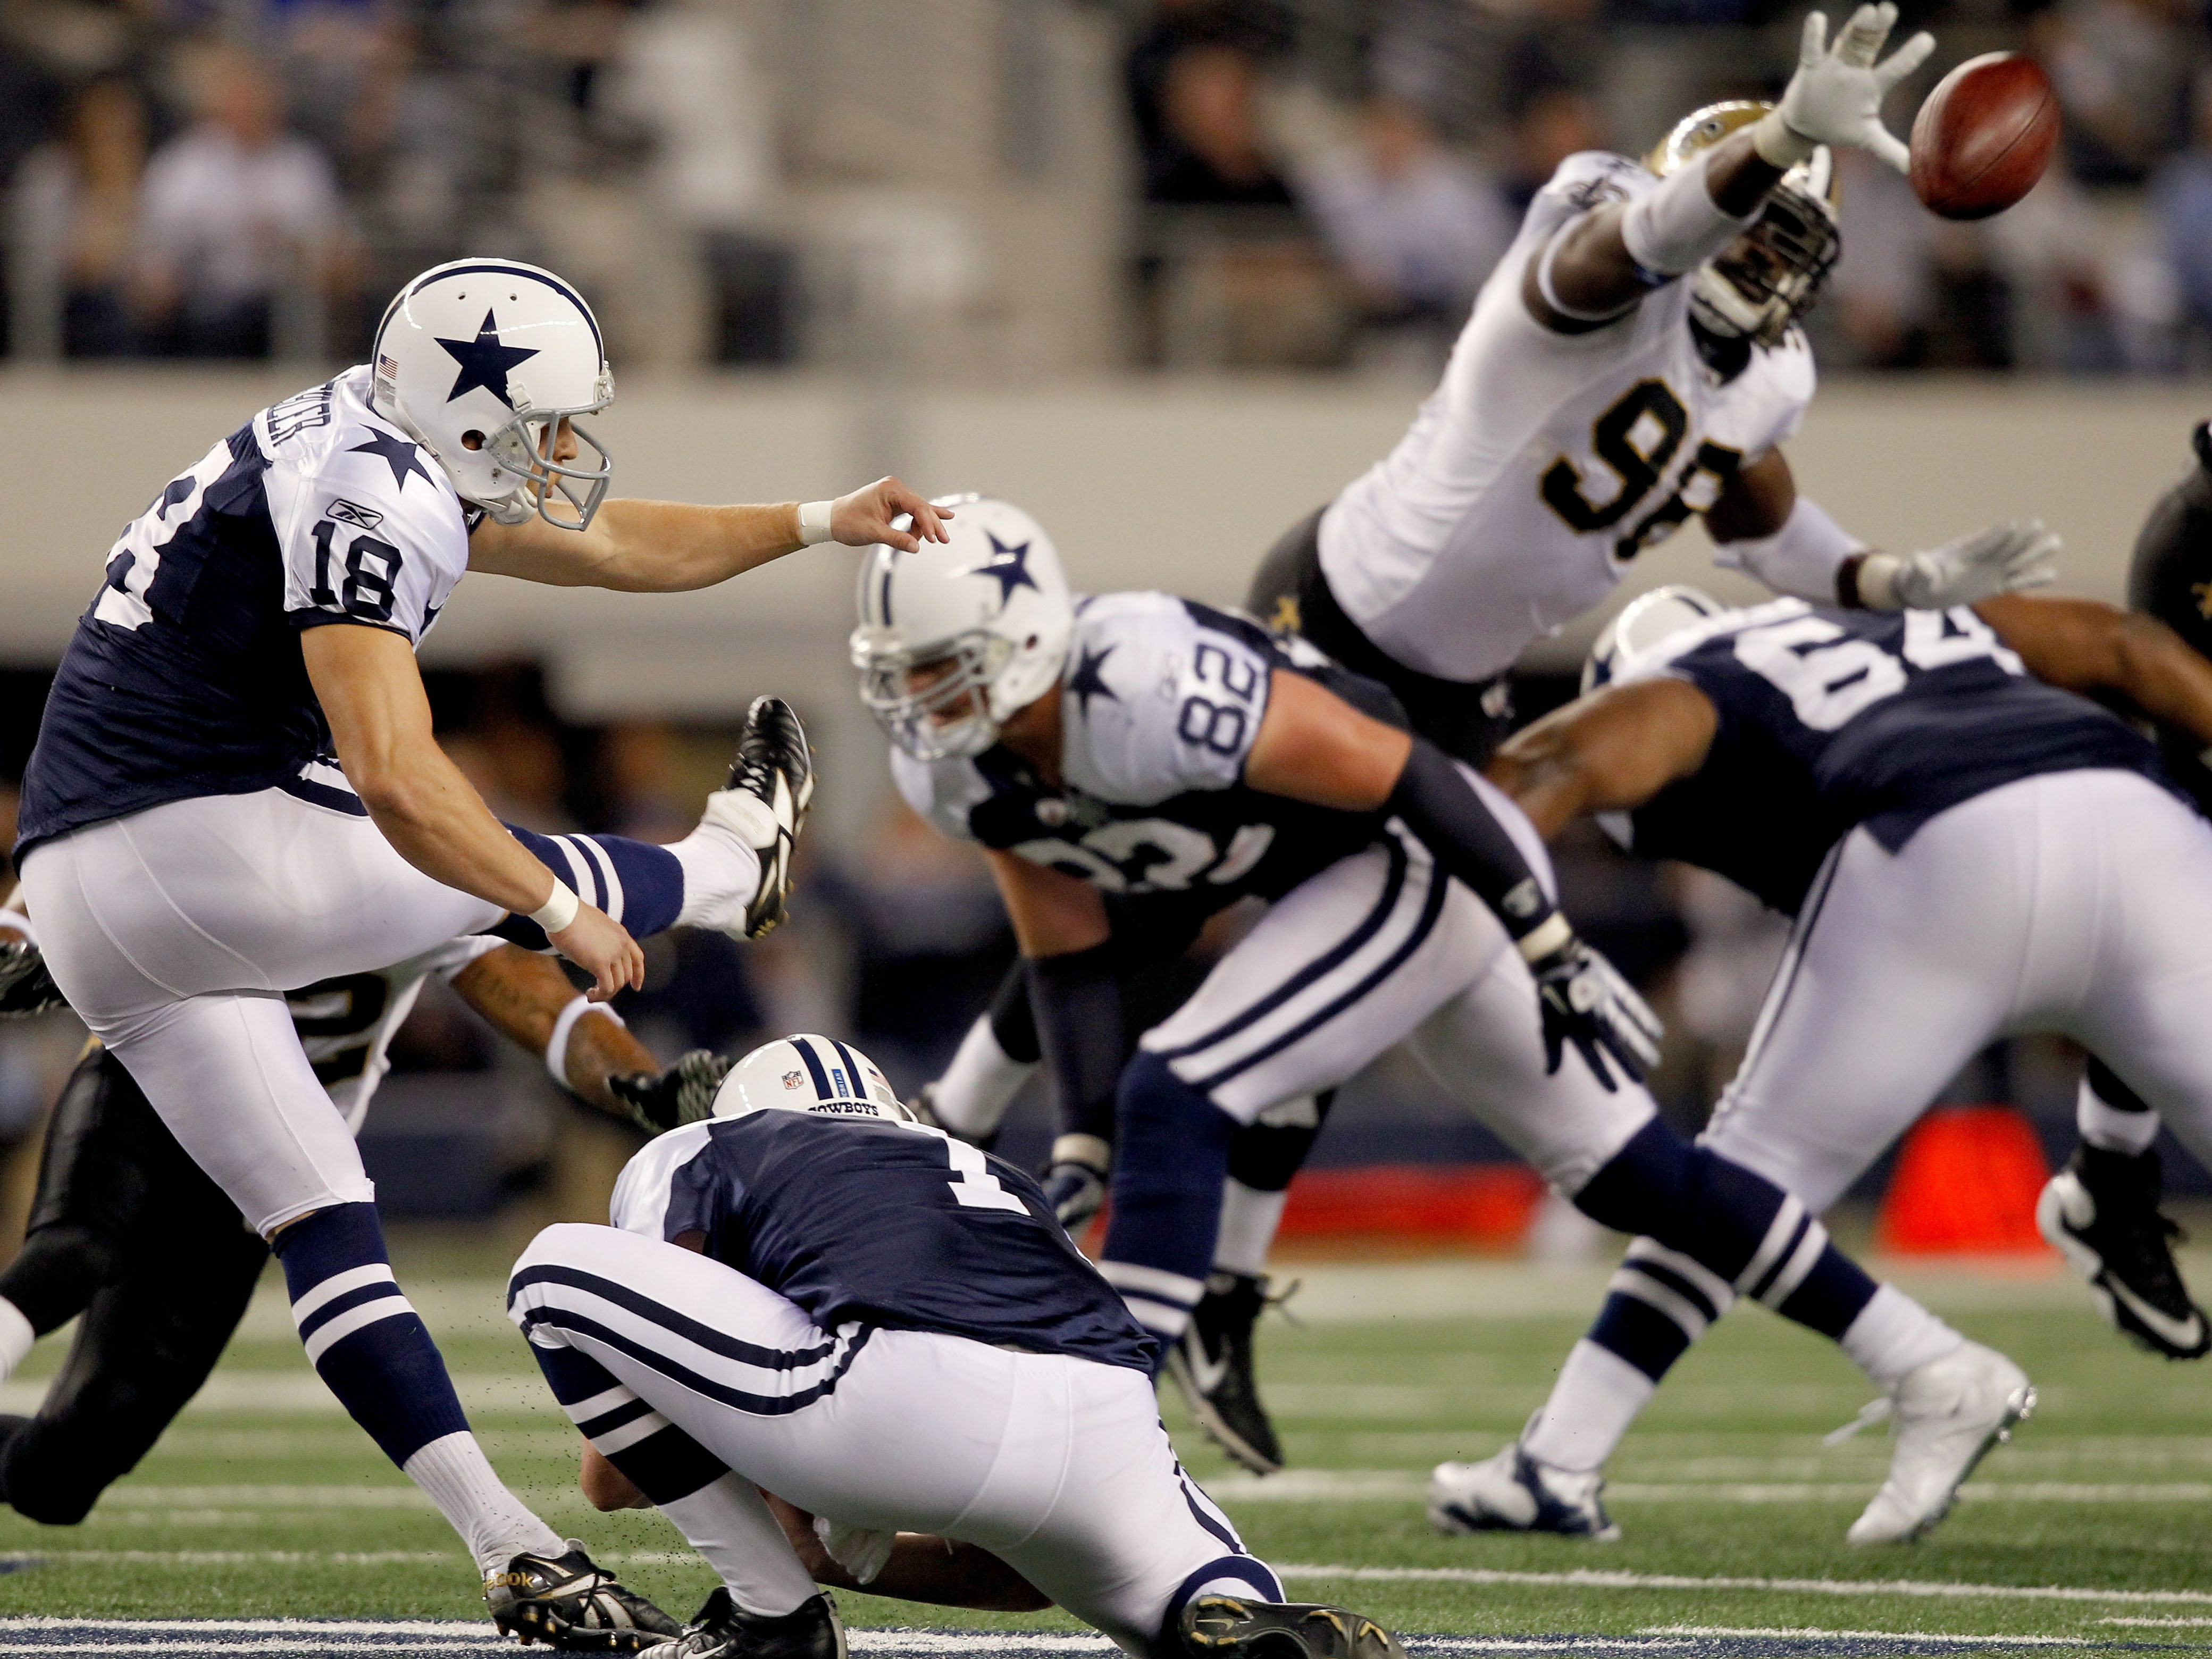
(184, 676)
(1829, 718)
(886, 1223)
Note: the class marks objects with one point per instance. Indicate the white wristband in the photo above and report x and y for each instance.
(1676, 227)
(1549, 935)
(559, 909)
(556, 1046)
(814, 522)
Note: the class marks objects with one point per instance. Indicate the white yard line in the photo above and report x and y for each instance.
(1591, 1578)
(1810, 1634)
(1370, 1485)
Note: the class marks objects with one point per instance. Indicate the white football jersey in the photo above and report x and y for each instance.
(1161, 700)
(347, 1024)
(1545, 462)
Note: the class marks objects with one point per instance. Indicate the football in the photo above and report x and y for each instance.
(1983, 137)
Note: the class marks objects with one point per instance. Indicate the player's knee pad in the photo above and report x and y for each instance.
(1267, 1152)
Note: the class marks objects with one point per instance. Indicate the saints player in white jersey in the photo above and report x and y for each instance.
(188, 854)
(1142, 744)
(1632, 361)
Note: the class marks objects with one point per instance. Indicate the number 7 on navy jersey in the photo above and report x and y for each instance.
(973, 1186)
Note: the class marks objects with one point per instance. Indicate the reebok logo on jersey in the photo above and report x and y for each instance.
(346, 511)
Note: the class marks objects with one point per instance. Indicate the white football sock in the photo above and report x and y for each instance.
(497, 1526)
(727, 1522)
(980, 1083)
(1894, 1334)
(1590, 1408)
(721, 872)
(16, 1337)
(2110, 1129)
(1248, 1219)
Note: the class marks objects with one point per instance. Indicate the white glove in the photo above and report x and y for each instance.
(861, 1551)
(1835, 97)
(2000, 559)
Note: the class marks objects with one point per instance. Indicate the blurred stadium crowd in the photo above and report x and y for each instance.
(1047, 184)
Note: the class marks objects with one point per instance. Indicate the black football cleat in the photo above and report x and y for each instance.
(771, 786)
(2101, 1213)
(684, 1093)
(1212, 1364)
(566, 1602)
(1239, 1628)
(723, 1629)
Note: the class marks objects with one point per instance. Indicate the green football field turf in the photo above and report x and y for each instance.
(2096, 1525)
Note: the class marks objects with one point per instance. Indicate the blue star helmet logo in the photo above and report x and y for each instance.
(484, 361)
(1007, 566)
(403, 457)
(1088, 682)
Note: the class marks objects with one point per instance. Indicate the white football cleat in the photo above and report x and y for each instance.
(1946, 1415)
(1513, 1492)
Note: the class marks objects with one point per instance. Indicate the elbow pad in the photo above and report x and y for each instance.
(1672, 230)
(1800, 559)
(1442, 808)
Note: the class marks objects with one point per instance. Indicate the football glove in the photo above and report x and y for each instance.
(683, 1094)
(2000, 559)
(26, 986)
(1835, 97)
(1586, 1002)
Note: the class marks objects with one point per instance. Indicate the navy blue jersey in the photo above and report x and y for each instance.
(184, 676)
(1831, 719)
(888, 1224)
(1161, 700)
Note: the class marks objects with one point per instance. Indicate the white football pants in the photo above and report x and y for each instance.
(2076, 902)
(175, 933)
(1375, 950)
(1058, 1466)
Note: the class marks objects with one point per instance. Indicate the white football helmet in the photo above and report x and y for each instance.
(808, 1074)
(955, 639)
(1642, 623)
(480, 361)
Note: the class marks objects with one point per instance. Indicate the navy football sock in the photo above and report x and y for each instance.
(639, 885)
(658, 1458)
(372, 1351)
(1712, 1230)
(1172, 1153)
(362, 1336)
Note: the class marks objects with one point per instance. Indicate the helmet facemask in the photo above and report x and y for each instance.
(525, 446)
(935, 703)
(1771, 276)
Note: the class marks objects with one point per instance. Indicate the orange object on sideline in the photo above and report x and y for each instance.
(1967, 1180)
(1490, 1204)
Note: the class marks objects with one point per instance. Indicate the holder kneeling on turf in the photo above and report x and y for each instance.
(812, 1294)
